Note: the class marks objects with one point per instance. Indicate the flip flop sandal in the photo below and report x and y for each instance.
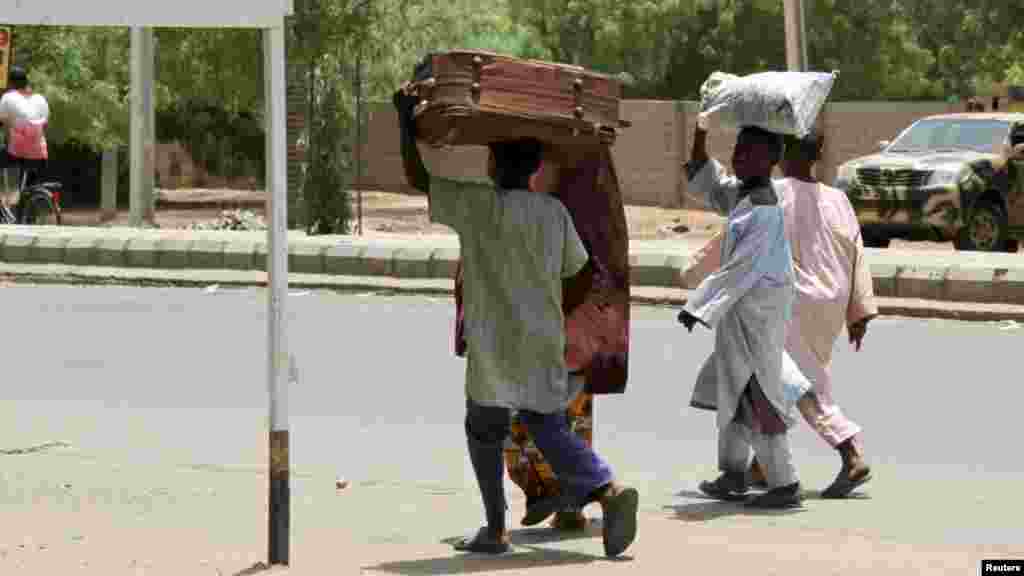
(844, 485)
(620, 521)
(482, 543)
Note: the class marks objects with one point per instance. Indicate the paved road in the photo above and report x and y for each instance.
(167, 387)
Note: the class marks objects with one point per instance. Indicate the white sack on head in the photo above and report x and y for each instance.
(780, 102)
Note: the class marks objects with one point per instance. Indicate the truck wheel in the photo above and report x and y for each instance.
(986, 229)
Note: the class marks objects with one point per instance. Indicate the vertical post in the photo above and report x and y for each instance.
(359, 138)
(142, 145)
(359, 127)
(796, 42)
(277, 267)
(108, 173)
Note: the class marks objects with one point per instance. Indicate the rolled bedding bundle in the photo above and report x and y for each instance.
(780, 102)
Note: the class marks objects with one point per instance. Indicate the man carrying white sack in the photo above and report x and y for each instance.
(834, 288)
(753, 383)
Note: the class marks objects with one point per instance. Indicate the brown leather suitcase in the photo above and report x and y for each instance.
(473, 97)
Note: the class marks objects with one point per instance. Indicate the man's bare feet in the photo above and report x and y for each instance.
(486, 541)
(756, 475)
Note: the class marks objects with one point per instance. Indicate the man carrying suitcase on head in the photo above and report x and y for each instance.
(517, 247)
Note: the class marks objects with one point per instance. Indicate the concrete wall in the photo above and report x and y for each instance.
(382, 159)
(649, 155)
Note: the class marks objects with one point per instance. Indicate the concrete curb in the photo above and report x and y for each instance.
(385, 285)
(939, 276)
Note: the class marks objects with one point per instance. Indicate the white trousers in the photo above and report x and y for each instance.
(773, 454)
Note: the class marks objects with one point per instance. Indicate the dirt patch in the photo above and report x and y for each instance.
(383, 213)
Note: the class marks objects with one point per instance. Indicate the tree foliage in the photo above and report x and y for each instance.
(210, 82)
(84, 76)
(893, 49)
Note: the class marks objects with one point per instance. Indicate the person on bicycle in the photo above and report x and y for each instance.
(25, 115)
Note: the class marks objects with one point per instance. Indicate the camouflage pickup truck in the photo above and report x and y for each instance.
(944, 174)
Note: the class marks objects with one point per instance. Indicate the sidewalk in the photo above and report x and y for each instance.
(214, 279)
(68, 512)
(942, 277)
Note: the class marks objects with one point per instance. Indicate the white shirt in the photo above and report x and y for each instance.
(747, 300)
(25, 117)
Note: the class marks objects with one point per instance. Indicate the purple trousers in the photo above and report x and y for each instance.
(580, 471)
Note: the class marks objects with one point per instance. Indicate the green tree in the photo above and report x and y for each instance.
(867, 42)
(83, 72)
(966, 39)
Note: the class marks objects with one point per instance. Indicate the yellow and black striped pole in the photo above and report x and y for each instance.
(280, 498)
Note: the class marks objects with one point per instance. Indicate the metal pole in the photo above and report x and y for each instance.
(142, 145)
(359, 136)
(108, 173)
(796, 39)
(277, 266)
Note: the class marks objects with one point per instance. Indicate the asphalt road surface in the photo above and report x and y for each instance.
(142, 377)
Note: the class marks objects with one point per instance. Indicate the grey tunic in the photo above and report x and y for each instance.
(517, 247)
(747, 301)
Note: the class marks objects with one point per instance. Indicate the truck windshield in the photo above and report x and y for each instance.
(982, 135)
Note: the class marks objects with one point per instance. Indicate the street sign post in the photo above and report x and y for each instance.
(267, 15)
(279, 365)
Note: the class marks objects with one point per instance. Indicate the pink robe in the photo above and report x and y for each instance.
(833, 286)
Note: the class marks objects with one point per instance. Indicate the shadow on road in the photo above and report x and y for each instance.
(526, 554)
(711, 509)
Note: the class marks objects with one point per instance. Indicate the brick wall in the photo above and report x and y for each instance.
(382, 158)
(649, 155)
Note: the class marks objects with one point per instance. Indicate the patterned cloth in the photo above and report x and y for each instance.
(527, 467)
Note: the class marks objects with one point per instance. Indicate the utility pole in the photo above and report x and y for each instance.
(359, 138)
(796, 39)
(143, 145)
(360, 9)
(280, 367)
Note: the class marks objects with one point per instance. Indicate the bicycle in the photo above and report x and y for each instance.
(38, 202)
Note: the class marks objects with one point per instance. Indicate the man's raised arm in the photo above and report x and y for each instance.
(415, 172)
(707, 181)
